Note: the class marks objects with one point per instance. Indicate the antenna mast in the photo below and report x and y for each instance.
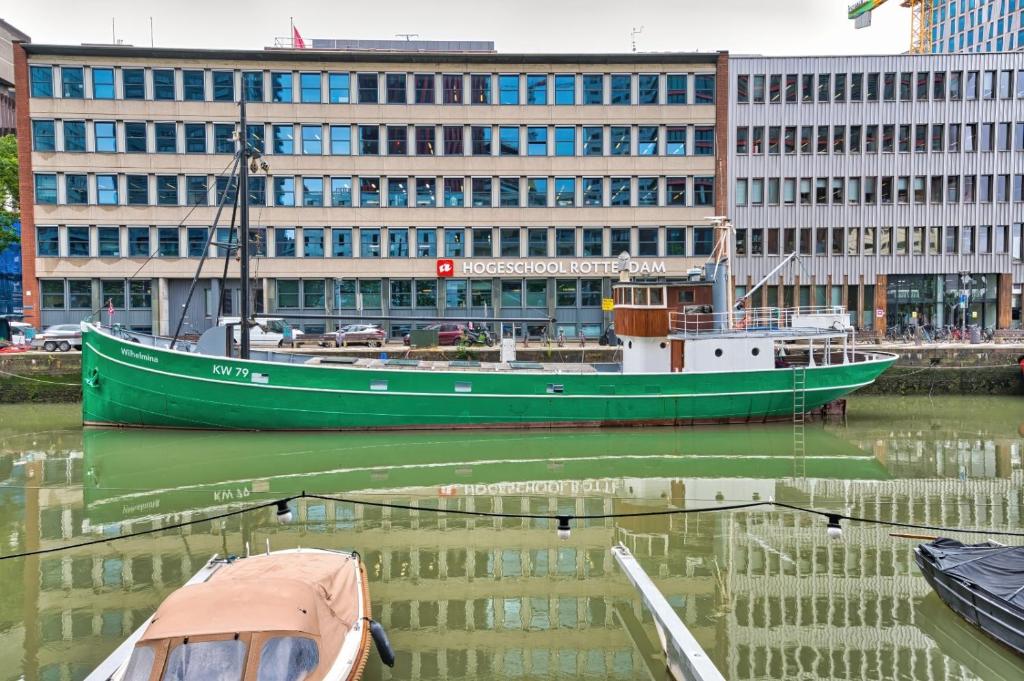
(634, 33)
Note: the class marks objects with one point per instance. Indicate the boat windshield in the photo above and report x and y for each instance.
(288, 658)
(206, 661)
(140, 664)
(275, 326)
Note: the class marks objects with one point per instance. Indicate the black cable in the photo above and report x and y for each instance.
(831, 516)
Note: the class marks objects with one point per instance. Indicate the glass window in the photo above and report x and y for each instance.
(195, 138)
(312, 140)
(338, 88)
(287, 297)
(675, 188)
(452, 140)
(648, 241)
(537, 192)
(341, 191)
(509, 242)
(106, 136)
(195, 190)
(565, 192)
(480, 89)
(565, 292)
(647, 140)
(280, 87)
(78, 242)
(593, 191)
(512, 293)
(647, 87)
(309, 88)
(565, 243)
(452, 88)
(508, 192)
(52, 292)
(165, 136)
(423, 85)
(80, 294)
(41, 81)
(223, 86)
(537, 242)
(565, 89)
(398, 192)
(454, 192)
(481, 192)
(369, 140)
(76, 189)
(74, 135)
(536, 141)
(222, 138)
(369, 243)
(341, 140)
(481, 139)
(426, 293)
(163, 84)
(425, 140)
(312, 243)
(194, 86)
(133, 83)
(102, 83)
(426, 242)
(703, 141)
(454, 243)
(106, 190)
(704, 89)
(455, 293)
(508, 141)
(369, 192)
(284, 242)
(565, 140)
(44, 136)
(620, 141)
(368, 88)
(593, 242)
(138, 190)
(647, 191)
(483, 246)
(312, 191)
(395, 88)
(167, 190)
(426, 192)
(508, 89)
(252, 84)
(536, 89)
(138, 242)
(703, 191)
(195, 241)
(593, 141)
(168, 242)
(675, 241)
(284, 191)
(593, 88)
(675, 141)
(341, 247)
(313, 295)
(621, 89)
(73, 82)
(620, 191)
(676, 88)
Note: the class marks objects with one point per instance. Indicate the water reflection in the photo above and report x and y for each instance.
(764, 592)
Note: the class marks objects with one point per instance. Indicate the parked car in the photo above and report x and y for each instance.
(266, 330)
(447, 334)
(61, 337)
(356, 334)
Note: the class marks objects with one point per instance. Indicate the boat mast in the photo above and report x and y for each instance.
(243, 226)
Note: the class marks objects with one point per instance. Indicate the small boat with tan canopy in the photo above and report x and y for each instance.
(293, 615)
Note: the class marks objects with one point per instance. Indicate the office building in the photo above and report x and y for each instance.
(977, 26)
(398, 184)
(899, 180)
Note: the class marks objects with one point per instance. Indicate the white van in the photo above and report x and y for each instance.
(265, 331)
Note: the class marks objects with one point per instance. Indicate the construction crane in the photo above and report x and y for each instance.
(921, 15)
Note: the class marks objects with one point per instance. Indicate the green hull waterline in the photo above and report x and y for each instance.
(125, 383)
(128, 473)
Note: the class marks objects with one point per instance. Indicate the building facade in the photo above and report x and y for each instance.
(429, 184)
(977, 26)
(898, 179)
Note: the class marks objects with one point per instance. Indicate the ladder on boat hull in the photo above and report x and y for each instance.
(799, 420)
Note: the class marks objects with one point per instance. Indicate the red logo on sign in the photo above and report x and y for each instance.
(445, 267)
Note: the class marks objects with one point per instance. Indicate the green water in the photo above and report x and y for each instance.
(765, 592)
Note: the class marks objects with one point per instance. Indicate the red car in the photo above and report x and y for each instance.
(447, 334)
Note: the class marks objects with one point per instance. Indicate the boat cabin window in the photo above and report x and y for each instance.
(287, 658)
(140, 664)
(639, 296)
(275, 326)
(206, 661)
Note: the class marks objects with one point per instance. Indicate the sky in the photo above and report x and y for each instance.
(770, 27)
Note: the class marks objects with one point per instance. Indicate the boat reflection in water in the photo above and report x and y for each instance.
(765, 592)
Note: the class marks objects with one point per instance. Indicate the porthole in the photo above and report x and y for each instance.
(718, 352)
(755, 352)
(663, 346)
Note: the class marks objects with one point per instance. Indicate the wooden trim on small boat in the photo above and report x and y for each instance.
(364, 643)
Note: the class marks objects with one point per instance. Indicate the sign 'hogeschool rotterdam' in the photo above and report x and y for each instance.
(447, 267)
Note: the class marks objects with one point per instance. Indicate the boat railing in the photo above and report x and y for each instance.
(761, 319)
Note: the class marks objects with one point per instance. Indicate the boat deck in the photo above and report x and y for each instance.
(468, 365)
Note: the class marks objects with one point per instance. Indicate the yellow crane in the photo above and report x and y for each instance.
(921, 14)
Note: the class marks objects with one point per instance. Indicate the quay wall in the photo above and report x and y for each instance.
(927, 369)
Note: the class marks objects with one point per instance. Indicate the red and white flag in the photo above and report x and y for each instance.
(297, 41)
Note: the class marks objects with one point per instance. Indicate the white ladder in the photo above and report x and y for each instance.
(799, 419)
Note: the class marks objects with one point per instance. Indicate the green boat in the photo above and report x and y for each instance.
(689, 356)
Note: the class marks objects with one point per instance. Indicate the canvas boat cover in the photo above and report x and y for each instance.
(997, 569)
(313, 593)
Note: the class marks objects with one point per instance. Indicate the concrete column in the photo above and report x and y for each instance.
(161, 307)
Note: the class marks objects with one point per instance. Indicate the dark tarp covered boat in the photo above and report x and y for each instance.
(983, 583)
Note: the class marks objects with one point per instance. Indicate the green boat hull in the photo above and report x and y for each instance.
(129, 384)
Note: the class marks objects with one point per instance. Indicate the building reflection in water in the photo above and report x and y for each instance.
(467, 597)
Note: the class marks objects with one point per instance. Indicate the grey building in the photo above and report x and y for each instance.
(898, 179)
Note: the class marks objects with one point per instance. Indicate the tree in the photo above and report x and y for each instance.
(9, 194)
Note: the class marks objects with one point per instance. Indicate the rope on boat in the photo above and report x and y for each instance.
(39, 380)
